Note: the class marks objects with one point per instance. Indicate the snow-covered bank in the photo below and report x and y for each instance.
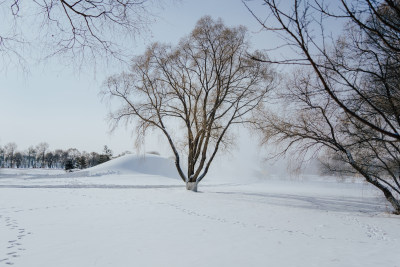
(133, 219)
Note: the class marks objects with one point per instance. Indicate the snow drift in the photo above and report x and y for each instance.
(135, 164)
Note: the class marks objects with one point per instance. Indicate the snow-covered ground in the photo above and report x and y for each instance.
(133, 211)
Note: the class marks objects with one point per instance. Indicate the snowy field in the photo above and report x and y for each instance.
(135, 212)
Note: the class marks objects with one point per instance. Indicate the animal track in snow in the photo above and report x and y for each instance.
(371, 231)
(13, 245)
(234, 222)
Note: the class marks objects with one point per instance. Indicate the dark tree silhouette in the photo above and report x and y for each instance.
(344, 92)
(76, 29)
(204, 85)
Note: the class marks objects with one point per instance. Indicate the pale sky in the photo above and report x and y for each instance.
(60, 105)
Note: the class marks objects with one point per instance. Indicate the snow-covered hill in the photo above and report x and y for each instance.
(135, 164)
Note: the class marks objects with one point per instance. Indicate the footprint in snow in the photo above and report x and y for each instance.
(14, 245)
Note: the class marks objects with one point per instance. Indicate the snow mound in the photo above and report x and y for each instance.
(135, 164)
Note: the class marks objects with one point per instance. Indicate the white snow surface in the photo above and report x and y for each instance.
(135, 211)
(134, 164)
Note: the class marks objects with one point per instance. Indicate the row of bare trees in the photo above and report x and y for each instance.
(41, 157)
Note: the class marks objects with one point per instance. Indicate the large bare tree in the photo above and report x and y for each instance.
(193, 93)
(80, 29)
(344, 94)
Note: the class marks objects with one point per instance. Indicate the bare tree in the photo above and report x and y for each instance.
(10, 150)
(77, 28)
(73, 155)
(193, 93)
(31, 153)
(49, 160)
(41, 150)
(18, 158)
(344, 95)
(2, 157)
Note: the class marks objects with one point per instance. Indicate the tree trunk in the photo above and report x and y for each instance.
(395, 202)
(388, 194)
(191, 186)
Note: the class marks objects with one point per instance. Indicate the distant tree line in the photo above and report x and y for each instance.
(41, 157)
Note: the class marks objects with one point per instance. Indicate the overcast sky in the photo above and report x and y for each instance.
(60, 104)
